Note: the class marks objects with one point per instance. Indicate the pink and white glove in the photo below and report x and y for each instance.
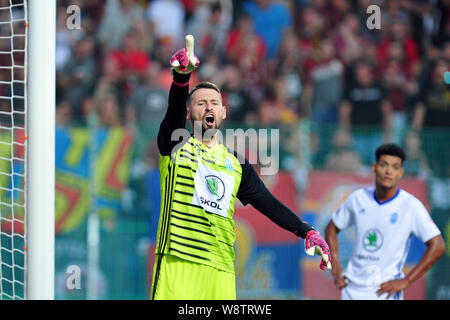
(184, 61)
(314, 244)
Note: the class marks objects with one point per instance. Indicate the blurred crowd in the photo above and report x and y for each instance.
(277, 62)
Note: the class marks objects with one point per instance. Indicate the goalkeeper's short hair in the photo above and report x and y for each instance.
(204, 85)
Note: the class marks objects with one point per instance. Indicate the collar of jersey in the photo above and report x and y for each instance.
(210, 149)
(388, 200)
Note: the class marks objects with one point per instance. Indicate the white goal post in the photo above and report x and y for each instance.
(27, 149)
(40, 224)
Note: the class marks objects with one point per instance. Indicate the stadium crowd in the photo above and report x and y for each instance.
(277, 62)
(314, 69)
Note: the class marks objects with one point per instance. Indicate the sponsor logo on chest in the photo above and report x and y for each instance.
(213, 190)
(372, 240)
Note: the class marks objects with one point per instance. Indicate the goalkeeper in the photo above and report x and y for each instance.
(200, 180)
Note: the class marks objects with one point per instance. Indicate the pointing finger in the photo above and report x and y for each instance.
(189, 45)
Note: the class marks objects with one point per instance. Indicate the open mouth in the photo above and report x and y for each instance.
(210, 120)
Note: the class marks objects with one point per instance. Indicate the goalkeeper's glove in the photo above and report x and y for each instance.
(314, 244)
(184, 61)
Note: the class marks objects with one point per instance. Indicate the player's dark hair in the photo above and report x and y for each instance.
(203, 85)
(390, 149)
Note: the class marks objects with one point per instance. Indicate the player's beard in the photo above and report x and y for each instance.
(207, 131)
(216, 126)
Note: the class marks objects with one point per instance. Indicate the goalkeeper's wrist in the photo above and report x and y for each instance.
(180, 79)
(303, 229)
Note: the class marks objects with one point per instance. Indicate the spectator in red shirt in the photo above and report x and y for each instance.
(245, 48)
(311, 27)
(131, 61)
(130, 58)
(399, 33)
(401, 88)
(348, 41)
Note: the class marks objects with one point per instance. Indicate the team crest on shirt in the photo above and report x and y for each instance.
(394, 218)
(372, 240)
(229, 164)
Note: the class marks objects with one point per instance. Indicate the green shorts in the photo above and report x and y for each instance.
(179, 279)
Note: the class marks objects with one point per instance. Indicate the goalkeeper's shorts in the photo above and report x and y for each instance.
(179, 279)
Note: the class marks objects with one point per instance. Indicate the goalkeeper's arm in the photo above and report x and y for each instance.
(176, 113)
(252, 190)
(183, 62)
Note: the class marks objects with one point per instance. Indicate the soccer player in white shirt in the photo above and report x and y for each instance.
(385, 217)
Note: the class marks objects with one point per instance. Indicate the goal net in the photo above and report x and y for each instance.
(13, 136)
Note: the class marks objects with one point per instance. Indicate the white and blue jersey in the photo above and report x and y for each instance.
(383, 236)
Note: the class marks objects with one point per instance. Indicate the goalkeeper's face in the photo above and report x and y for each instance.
(205, 106)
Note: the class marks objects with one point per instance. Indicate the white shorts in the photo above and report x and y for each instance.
(355, 292)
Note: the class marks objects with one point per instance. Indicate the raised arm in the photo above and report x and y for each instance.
(176, 113)
(183, 62)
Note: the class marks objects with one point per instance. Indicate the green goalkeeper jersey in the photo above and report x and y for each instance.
(199, 186)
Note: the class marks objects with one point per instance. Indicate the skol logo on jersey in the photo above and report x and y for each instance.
(215, 186)
(213, 190)
(210, 203)
(372, 240)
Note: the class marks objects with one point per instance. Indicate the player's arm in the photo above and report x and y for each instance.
(183, 62)
(253, 191)
(176, 113)
(435, 249)
(331, 237)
